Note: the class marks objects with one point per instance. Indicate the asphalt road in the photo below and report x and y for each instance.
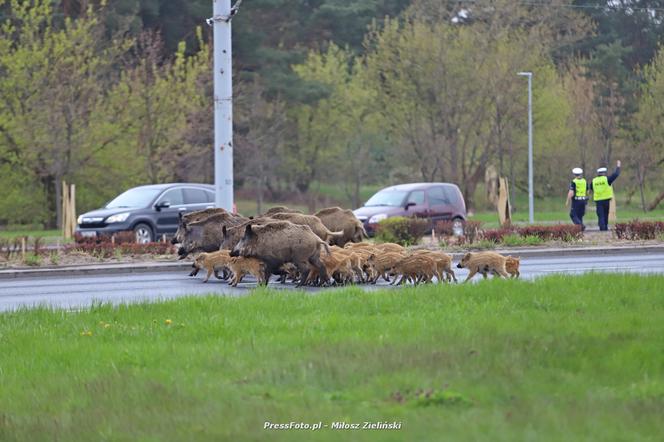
(80, 291)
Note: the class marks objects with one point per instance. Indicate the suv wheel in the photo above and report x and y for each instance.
(143, 233)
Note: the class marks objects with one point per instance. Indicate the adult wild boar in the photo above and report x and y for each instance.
(233, 234)
(206, 234)
(280, 209)
(338, 219)
(191, 217)
(315, 224)
(280, 242)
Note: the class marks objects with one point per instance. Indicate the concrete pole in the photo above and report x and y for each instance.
(531, 191)
(223, 105)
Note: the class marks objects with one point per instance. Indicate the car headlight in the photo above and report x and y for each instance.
(118, 218)
(79, 220)
(377, 218)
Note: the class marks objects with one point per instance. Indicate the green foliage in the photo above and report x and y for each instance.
(508, 359)
(401, 230)
(517, 240)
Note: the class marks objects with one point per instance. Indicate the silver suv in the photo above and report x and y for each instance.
(149, 211)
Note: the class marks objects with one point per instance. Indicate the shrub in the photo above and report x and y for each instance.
(119, 238)
(497, 235)
(107, 249)
(401, 230)
(559, 232)
(639, 230)
(471, 229)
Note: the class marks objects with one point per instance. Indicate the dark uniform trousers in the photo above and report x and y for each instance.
(578, 211)
(602, 207)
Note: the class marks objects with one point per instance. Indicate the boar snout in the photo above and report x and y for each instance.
(234, 253)
(174, 240)
(459, 266)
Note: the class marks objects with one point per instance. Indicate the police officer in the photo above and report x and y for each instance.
(578, 194)
(603, 193)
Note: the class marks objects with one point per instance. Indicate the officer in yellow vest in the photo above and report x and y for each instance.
(578, 195)
(603, 193)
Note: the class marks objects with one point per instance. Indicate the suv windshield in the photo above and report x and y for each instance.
(136, 197)
(387, 198)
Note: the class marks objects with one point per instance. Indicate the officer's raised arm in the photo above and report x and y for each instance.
(615, 174)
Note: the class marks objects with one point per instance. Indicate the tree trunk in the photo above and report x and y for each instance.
(656, 202)
(57, 181)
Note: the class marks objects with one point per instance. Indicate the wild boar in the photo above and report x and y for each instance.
(416, 268)
(233, 234)
(338, 219)
(280, 209)
(313, 222)
(483, 262)
(212, 262)
(241, 266)
(190, 218)
(390, 247)
(380, 264)
(512, 266)
(277, 243)
(443, 264)
(206, 235)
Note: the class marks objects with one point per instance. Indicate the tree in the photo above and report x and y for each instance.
(647, 137)
(53, 91)
(451, 97)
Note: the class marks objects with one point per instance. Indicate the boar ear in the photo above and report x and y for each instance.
(248, 231)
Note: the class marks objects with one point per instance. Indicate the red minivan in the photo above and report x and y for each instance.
(433, 201)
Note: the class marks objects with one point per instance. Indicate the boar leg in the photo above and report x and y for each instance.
(472, 273)
(209, 272)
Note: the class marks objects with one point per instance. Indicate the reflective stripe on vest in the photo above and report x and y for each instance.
(580, 186)
(601, 189)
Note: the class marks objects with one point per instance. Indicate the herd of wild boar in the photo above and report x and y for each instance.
(321, 249)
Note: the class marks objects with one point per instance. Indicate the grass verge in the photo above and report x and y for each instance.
(562, 358)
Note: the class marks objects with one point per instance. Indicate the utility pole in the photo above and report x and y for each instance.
(531, 191)
(223, 103)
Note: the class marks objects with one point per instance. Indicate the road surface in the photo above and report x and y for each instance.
(80, 291)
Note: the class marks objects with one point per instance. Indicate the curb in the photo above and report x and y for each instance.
(96, 269)
(132, 268)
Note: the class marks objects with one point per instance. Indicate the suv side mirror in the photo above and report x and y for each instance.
(162, 205)
(409, 205)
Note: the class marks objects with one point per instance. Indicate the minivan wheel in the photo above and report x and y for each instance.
(143, 233)
(457, 226)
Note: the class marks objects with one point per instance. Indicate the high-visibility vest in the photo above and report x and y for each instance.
(580, 186)
(601, 189)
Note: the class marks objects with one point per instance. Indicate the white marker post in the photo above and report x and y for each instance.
(223, 105)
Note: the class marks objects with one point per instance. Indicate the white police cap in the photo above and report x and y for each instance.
(577, 171)
(601, 170)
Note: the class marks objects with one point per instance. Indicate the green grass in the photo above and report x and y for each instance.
(516, 240)
(564, 358)
(553, 210)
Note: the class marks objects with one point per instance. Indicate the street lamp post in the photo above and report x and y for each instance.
(223, 104)
(531, 192)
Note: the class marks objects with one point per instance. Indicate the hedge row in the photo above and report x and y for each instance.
(107, 249)
(639, 230)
